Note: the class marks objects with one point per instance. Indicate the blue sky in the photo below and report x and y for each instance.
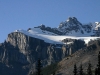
(24, 14)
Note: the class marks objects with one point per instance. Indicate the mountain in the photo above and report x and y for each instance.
(22, 48)
(72, 27)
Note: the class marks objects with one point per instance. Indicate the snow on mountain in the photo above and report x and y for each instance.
(51, 37)
(40, 34)
(71, 28)
(97, 27)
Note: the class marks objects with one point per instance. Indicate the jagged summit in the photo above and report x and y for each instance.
(73, 26)
(71, 22)
(70, 19)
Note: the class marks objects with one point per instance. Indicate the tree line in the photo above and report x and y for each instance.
(89, 71)
(76, 71)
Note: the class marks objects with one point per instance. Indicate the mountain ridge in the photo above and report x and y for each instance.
(71, 28)
(72, 24)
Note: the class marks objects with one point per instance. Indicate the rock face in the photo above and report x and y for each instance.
(54, 30)
(20, 52)
(72, 25)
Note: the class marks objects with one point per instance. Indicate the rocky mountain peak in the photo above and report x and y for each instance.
(73, 27)
(70, 22)
(72, 19)
(70, 25)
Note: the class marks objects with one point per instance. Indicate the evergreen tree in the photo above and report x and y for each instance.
(99, 63)
(75, 70)
(38, 67)
(81, 70)
(54, 73)
(89, 71)
(97, 70)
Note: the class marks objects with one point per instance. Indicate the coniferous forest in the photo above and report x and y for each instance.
(51, 69)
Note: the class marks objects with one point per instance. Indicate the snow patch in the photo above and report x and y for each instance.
(50, 38)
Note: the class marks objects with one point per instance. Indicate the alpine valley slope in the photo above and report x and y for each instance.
(80, 57)
(22, 48)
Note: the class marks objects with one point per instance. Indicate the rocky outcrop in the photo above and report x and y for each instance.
(54, 30)
(73, 25)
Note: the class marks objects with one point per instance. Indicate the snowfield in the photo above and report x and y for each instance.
(50, 37)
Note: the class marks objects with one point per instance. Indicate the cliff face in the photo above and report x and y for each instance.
(33, 48)
(20, 52)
